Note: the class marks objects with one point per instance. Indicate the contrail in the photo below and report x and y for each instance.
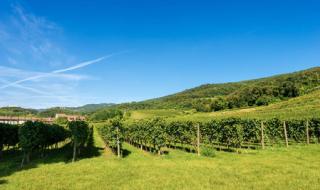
(83, 64)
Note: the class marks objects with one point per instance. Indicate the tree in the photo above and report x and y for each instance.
(105, 114)
(264, 100)
(219, 104)
(289, 89)
(61, 121)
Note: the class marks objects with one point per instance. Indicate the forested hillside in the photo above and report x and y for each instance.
(51, 112)
(16, 111)
(258, 92)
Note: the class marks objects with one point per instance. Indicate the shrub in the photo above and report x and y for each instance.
(208, 151)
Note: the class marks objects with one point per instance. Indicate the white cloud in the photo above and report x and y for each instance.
(30, 38)
(29, 42)
(33, 42)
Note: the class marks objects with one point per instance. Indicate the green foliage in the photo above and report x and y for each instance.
(208, 151)
(147, 133)
(80, 134)
(105, 114)
(79, 131)
(302, 107)
(90, 140)
(17, 111)
(8, 135)
(112, 133)
(158, 137)
(251, 130)
(37, 136)
(231, 135)
(30, 136)
(61, 121)
(229, 132)
(211, 131)
(314, 129)
(265, 100)
(51, 112)
(219, 104)
(89, 108)
(296, 130)
(273, 130)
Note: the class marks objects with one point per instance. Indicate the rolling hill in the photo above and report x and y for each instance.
(16, 111)
(306, 106)
(258, 92)
(51, 112)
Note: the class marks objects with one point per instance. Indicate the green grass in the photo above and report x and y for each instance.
(144, 114)
(278, 168)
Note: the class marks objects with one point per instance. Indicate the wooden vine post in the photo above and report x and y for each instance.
(307, 132)
(118, 143)
(262, 135)
(285, 134)
(198, 139)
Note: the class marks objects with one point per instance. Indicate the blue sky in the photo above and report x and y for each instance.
(151, 48)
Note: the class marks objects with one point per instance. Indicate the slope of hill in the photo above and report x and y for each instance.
(305, 106)
(88, 108)
(214, 97)
(83, 110)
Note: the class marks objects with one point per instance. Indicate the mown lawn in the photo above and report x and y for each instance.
(277, 168)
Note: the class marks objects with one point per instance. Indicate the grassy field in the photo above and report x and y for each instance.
(277, 168)
(143, 114)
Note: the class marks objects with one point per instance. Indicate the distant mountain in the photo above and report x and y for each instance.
(214, 97)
